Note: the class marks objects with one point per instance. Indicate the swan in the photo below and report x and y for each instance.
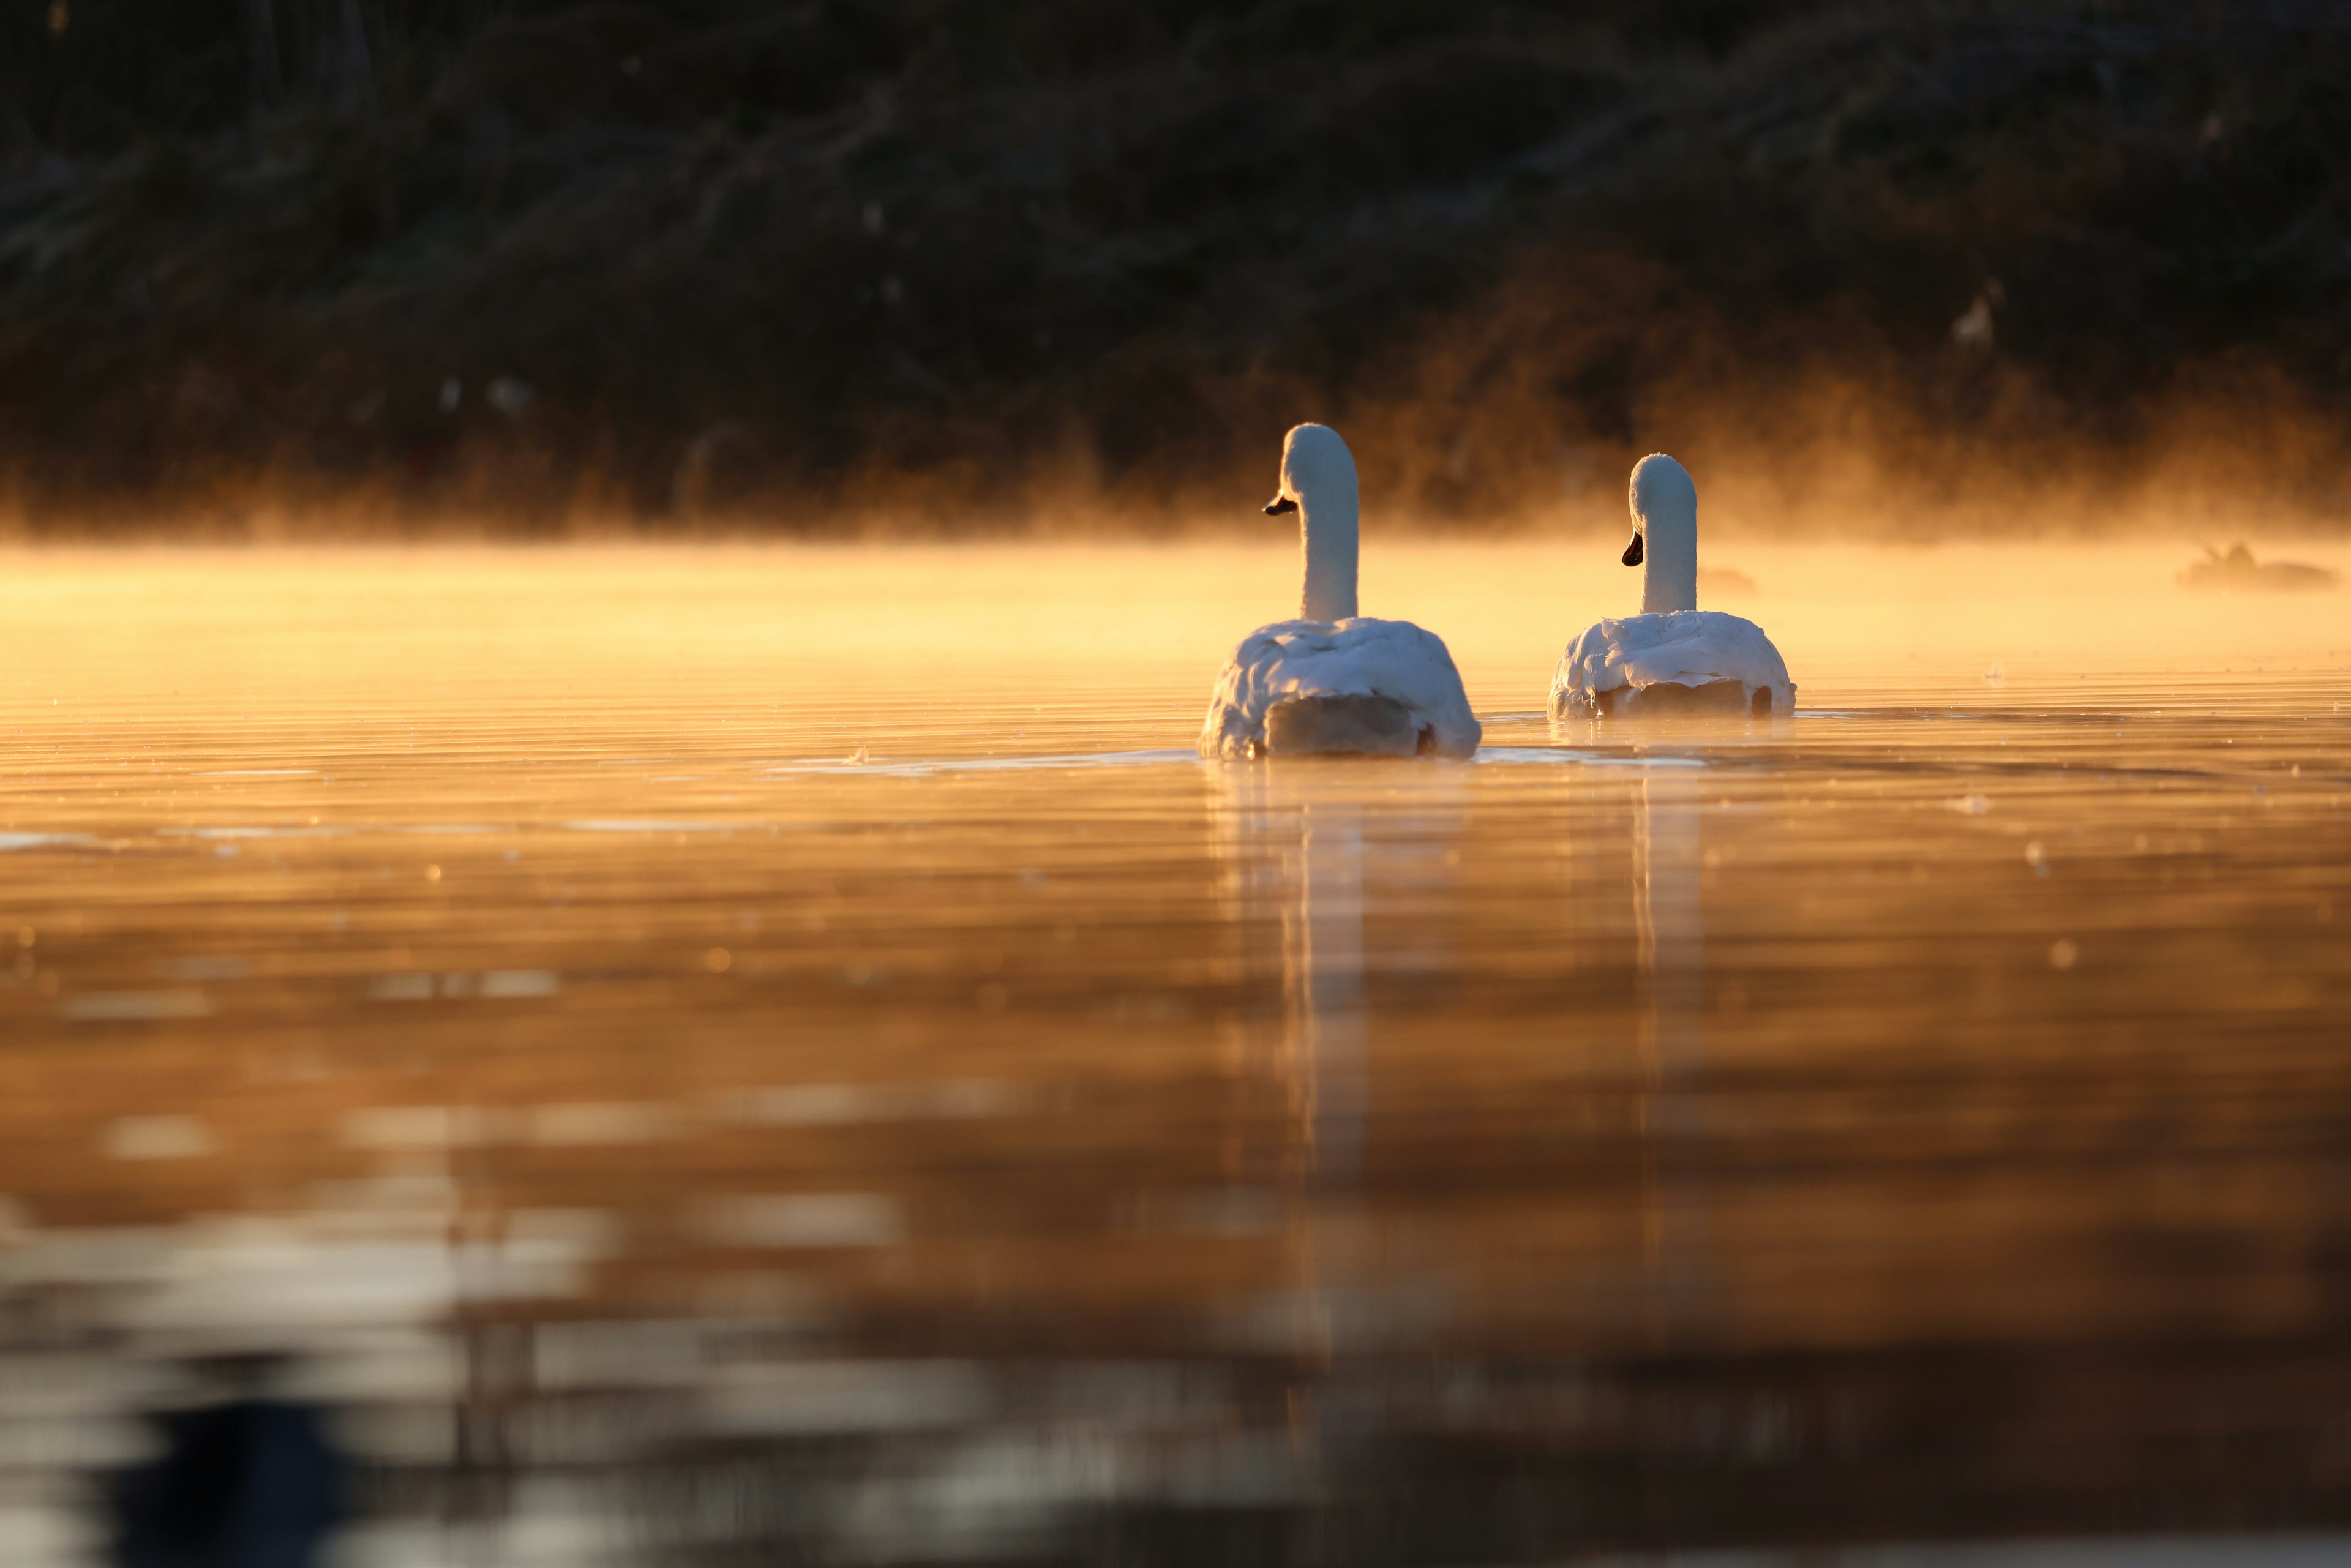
(2239, 569)
(1332, 681)
(1673, 656)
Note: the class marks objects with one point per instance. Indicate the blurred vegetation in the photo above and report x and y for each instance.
(524, 261)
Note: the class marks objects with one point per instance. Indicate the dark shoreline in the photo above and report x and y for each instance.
(724, 268)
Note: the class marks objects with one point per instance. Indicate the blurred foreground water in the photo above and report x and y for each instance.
(742, 1056)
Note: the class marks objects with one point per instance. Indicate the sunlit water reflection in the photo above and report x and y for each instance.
(728, 1055)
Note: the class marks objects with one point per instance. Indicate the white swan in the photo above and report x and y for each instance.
(1673, 656)
(1332, 681)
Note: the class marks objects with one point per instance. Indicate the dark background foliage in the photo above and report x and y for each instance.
(780, 265)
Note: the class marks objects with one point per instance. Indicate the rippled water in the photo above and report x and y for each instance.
(748, 1056)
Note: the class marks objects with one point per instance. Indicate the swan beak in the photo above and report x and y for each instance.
(1280, 504)
(1633, 552)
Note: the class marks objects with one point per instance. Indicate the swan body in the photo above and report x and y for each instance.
(1692, 661)
(1333, 682)
(1673, 656)
(1384, 687)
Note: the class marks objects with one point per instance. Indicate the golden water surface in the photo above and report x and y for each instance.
(785, 1055)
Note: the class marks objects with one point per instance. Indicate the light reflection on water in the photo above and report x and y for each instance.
(655, 1137)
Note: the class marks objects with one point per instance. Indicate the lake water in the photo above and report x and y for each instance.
(740, 1055)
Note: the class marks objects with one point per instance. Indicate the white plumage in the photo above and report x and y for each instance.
(1674, 656)
(1610, 667)
(1332, 681)
(1357, 657)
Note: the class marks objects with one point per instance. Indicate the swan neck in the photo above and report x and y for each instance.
(1328, 526)
(1669, 565)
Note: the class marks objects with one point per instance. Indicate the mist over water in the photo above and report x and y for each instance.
(698, 1054)
(802, 628)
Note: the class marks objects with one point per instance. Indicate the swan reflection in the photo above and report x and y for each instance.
(1323, 985)
(1669, 921)
(1309, 850)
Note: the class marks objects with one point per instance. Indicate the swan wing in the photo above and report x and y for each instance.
(1690, 648)
(1358, 657)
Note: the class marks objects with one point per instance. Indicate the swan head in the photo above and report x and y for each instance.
(1663, 497)
(1314, 463)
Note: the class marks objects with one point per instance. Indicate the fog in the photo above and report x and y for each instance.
(467, 624)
